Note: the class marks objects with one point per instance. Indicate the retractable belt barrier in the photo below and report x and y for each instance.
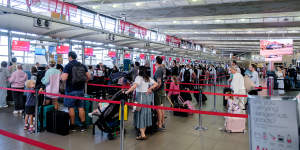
(144, 105)
(29, 141)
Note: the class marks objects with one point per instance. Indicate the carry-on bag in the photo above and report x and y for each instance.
(233, 124)
(58, 122)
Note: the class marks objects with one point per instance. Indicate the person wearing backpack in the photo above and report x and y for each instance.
(76, 75)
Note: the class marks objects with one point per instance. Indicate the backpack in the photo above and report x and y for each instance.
(186, 75)
(78, 74)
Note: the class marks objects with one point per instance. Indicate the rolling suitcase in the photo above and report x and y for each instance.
(42, 116)
(88, 107)
(58, 122)
(233, 124)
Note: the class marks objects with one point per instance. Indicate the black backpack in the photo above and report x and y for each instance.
(186, 75)
(78, 74)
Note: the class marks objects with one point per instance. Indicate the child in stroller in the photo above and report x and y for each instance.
(108, 117)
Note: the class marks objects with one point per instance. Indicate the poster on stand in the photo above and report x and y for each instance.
(112, 54)
(273, 124)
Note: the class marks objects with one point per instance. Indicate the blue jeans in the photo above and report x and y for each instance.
(72, 103)
(291, 79)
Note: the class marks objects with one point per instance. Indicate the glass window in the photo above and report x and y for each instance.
(87, 18)
(110, 24)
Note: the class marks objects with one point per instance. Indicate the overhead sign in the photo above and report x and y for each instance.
(273, 124)
(62, 49)
(20, 46)
(88, 51)
(40, 51)
(276, 47)
(112, 54)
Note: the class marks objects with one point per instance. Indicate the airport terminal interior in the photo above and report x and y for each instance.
(150, 74)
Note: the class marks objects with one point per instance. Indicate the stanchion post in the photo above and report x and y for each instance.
(270, 85)
(36, 110)
(215, 98)
(200, 127)
(122, 125)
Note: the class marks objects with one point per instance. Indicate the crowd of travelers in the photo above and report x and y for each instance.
(148, 87)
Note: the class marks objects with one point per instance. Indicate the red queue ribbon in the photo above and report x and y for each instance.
(29, 141)
(112, 86)
(144, 105)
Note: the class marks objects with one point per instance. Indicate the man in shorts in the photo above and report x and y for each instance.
(72, 90)
(159, 94)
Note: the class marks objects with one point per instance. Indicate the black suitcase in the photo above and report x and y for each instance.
(58, 122)
(177, 113)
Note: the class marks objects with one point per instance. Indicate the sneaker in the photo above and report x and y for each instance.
(15, 112)
(31, 129)
(83, 128)
(72, 128)
(26, 127)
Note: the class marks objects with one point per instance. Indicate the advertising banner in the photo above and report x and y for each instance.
(62, 49)
(127, 56)
(276, 47)
(273, 124)
(163, 57)
(20, 46)
(88, 51)
(40, 51)
(177, 59)
(273, 58)
(112, 54)
(170, 59)
(152, 57)
(142, 56)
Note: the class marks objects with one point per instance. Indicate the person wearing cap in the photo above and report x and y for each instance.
(51, 81)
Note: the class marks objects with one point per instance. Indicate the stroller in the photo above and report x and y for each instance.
(108, 121)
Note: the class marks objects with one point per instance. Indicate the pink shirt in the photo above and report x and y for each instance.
(173, 86)
(18, 79)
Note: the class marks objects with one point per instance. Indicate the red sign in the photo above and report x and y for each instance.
(189, 61)
(142, 56)
(182, 59)
(112, 54)
(170, 59)
(163, 57)
(127, 55)
(178, 59)
(152, 57)
(20, 46)
(132, 28)
(88, 51)
(62, 49)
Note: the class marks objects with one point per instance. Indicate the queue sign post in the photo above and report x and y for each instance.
(122, 125)
(36, 110)
(200, 127)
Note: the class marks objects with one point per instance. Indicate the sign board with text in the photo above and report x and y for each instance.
(273, 123)
(62, 49)
(20, 46)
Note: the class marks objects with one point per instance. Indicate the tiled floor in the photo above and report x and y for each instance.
(180, 135)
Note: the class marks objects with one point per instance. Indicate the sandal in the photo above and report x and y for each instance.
(141, 138)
